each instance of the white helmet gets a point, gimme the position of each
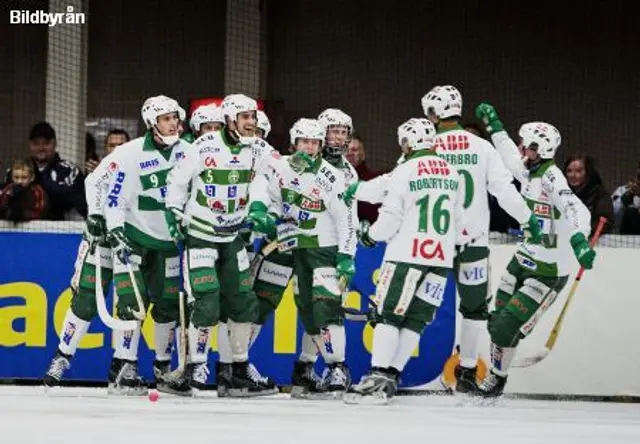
(205, 114)
(445, 101)
(157, 106)
(234, 104)
(546, 136)
(263, 123)
(333, 116)
(307, 129)
(419, 134)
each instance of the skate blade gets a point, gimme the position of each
(477, 400)
(245, 393)
(127, 391)
(223, 392)
(298, 392)
(165, 389)
(376, 398)
(303, 393)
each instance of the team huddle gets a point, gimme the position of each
(210, 232)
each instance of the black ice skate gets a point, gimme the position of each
(378, 387)
(265, 381)
(304, 381)
(224, 373)
(198, 374)
(161, 369)
(466, 380)
(336, 379)
(114, 369)
(174, 383)
(59, 364)
(180, 386)
(244, 385)
(492, 386)
(128, 382)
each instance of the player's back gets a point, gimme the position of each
(424, 192)
(471, 156)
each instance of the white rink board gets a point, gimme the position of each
(596, 352)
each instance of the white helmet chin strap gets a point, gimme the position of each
(167, 140)
(243, 140)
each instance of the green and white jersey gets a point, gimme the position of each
(482, 171)
(136, 173)
(313, 201)
(216, 180)
(348, 170)
(375, 190)
(561, 213)
(96, 184)
(422, 216)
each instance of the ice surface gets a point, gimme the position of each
(89, 416)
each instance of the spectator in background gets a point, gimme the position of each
(90, 153)
(115, 137)
(356, 157)
(626, 205)
(63, 182)
(23, 200)
(586, 183)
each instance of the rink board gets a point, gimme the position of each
(595, 355)
(34, 295)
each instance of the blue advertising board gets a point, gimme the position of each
(35, 270)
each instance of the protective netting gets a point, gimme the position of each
(571, 63)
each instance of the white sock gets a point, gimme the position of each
(127, 344)
(73, 329)
(199, 344)
(224, 345)
(239, 335)
(117, 339)
(164, 335)
(407, 343)
(334, 341)
(310, 347)
(255, 331)
(470, 332)
(501, 358)
(385, 344)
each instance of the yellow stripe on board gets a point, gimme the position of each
(285, 324)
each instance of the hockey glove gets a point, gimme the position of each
(487, 113)
(119, 244)
(300, 162)
(96, 228)
(345, 269)
(532, 231)
(373, 317)
(584, 253)
(350, 193)
(174, 218)
(363, 234)
(260, 220)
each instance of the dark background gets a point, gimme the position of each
(575, 64)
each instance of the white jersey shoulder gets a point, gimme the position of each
(482, 171)
(138, 189)
(421, 217)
